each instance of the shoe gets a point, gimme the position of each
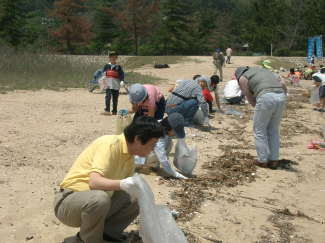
(114, 113)
(260, 164)
(109, 239)
(321, 110)
(273, 164)
(106, 113)
(73, 239)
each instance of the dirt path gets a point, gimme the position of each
(42, 133)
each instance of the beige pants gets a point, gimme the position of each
(95, 212)
(219, 69)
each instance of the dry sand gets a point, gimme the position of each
(42, 133)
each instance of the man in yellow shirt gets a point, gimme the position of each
(96, 194)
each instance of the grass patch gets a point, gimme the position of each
(276, 63)
(27, 71)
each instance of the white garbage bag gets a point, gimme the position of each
(199, 117)
(314, 95)
(157, 224)
(185, 158)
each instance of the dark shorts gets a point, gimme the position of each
(322, 91)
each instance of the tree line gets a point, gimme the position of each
(160, 27)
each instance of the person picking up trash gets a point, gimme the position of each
(97, 194)
(146, 100)
(319, 81)
(114, 76)
(186, 98)
(267, 94)
(174, 126)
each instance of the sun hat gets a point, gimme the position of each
(176, 122)
(137, 93)
(205, 79)
(266, 64)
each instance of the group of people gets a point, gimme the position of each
(97, 193)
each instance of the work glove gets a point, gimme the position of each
(206, 122)
(166, 167)
(122, 83)
(129, 186)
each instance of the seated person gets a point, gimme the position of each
(232, 92)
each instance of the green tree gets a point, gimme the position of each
(12, 21)
(176, 34)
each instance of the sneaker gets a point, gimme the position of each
(273, 164)
(109, 239)
(260, 164)
(73, 239)
(106, 113)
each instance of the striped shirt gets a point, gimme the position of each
(188, 89)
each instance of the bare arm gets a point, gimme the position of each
(134, 108)
(98, 182)
(243, 84)
(216, 96)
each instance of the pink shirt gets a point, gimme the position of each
(154, 95)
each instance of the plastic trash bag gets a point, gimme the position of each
(152, 159)
(314, 95)
(230, 111)
(123, 119)
(198, 117)
(157, 224)
(185, 158)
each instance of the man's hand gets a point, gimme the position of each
(129, 186)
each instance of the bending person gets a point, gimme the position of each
(264, 91)
(96, 194)
(147, 100)
(186, 98)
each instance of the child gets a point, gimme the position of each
(214, 87)
(114, 75)
(205, 90)
(293, 77)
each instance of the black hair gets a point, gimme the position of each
(322, 70)
(214, 79)
(145, 128)
(196, 76)
(166, 125)
(113, 53)
(292, 70)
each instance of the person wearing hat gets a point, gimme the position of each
(219, 61)
(267, 64)
(97, 194)
(174, 126)
(114, 77)
(267, 94)
(186, 98)
(319, 81)
(146, 100)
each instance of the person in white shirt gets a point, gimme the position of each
(319, 80)
(228, 53)
(232, 92)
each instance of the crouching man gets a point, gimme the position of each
(96, 194)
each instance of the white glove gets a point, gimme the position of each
(122, 83)
(206, 121)
(171, 172)
(129, 186)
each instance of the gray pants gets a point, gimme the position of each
(267, 117)
(219, 69)
(95, 212)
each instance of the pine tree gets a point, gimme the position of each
(12, 22)
(74, 29)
